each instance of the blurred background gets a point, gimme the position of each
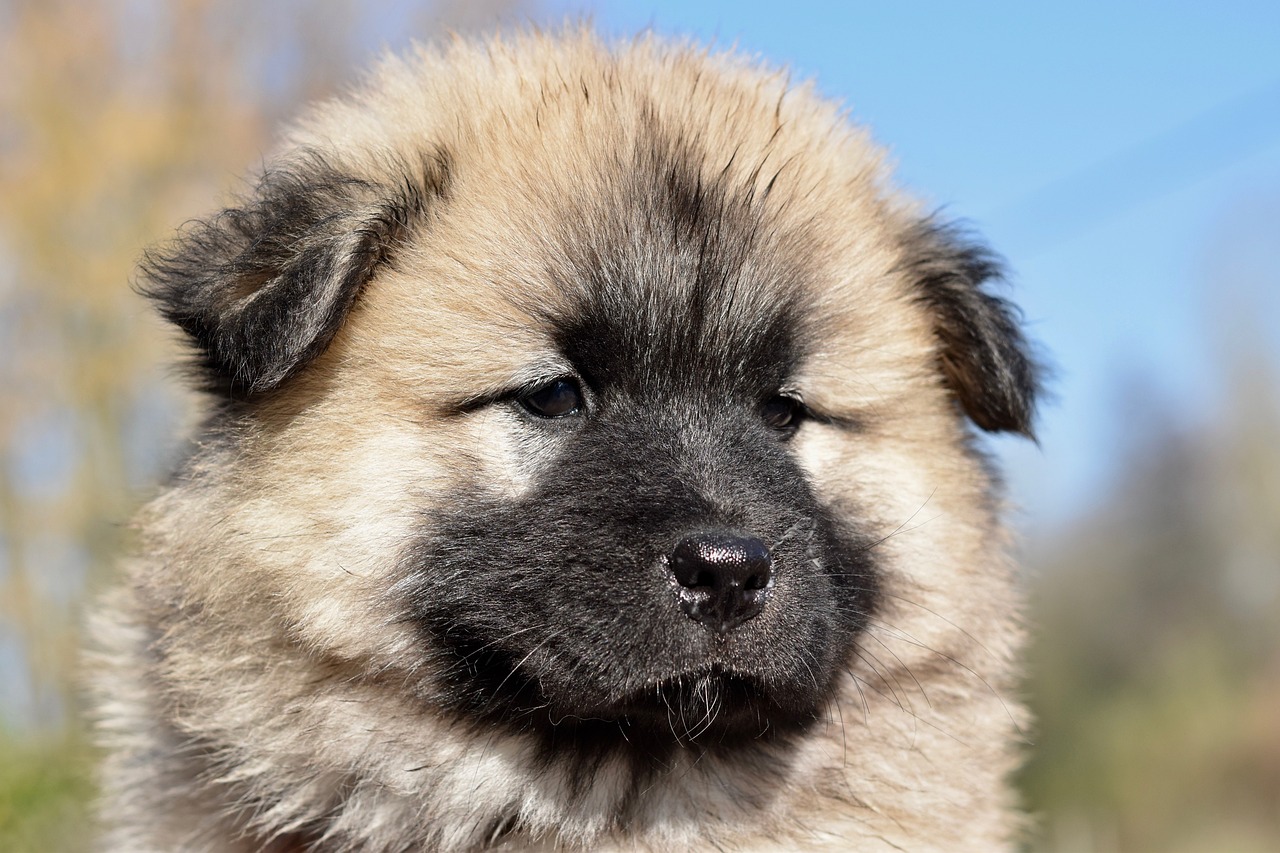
(1125, 158)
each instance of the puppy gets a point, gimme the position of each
(589, 465)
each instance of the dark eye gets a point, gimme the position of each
(782, 413)
(556, 399)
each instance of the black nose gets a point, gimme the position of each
(723, 578)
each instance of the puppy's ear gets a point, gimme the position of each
(261, 289)
(983, 355)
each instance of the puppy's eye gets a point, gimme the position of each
(782, 413)
(557, 399)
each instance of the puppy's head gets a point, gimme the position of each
(610, 376)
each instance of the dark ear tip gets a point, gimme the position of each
(261, 289)
(984, 357)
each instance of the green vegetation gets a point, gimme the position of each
(1156, 668)
(45, 793)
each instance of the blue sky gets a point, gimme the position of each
(1124, 158)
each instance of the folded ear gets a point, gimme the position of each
(261, 289)
(983, 354)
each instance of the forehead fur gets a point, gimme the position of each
(546, 97)
(589, 179)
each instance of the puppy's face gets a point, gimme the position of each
(622, 397)
(664, 568)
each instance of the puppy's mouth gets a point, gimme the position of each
(710, 704)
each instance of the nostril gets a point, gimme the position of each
(705, 579)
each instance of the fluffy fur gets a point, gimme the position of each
(397, 600)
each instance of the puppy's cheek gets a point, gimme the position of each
(347, 519)
(836, 464)
(813, 447)
(510, 452)
(882, 477)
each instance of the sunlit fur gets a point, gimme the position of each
(274, 671)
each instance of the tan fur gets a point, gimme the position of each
(262, 580)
